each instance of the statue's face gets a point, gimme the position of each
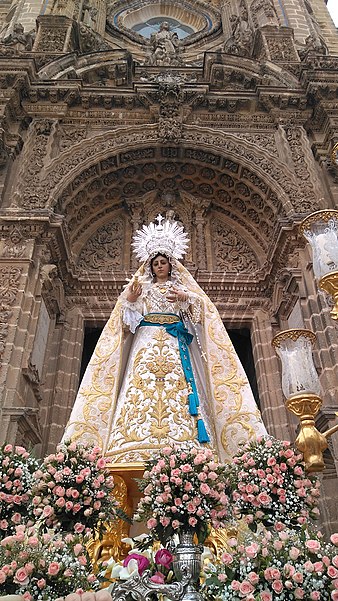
(160, 266)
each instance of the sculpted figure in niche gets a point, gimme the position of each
(164, 370)
(241, 39)
(89, 14)
(165, 47)
(18, 39)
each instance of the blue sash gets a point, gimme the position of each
(179, 331)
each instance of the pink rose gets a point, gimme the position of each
(245, 587)
(53, 568)
(294, 553)
(192, 521)
(277, 586)
(48, 511)
(332, 572)
(163, 558)
(21, 577)
(101, 463)
(252, 550)
(2, 577)
(334, 538)
(334, 595)
(158, 578)
(204, 488)
(313, 545)
(299, 593)
(253, 577)
(266, 596)
(79, 527)
(227, 558)
(175, 524)
(264, 498)
(41, 583)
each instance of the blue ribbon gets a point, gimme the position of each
(179, 331)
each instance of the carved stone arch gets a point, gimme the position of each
(88, 156)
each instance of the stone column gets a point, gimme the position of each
(19, 278)
(268, 375)
(62, 379)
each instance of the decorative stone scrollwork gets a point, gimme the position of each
(9, 286)
(170, 119)
(104, 250)
(230, 252)
(15, 244)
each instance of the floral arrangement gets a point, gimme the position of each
(42, 567)
(16, 476)
(184, 489)
(72, 490)
(276, 565)
(158, 563)
(269, 484)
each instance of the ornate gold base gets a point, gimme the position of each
(309, 440)
(329, 283)
(127, 494)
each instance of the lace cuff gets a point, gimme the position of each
(193, 307)
(131, 317)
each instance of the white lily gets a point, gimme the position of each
(124, 573)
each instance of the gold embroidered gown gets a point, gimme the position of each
(133, 398)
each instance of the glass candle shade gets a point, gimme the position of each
(321, 230)
(299, 375)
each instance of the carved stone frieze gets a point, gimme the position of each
(28, 192)
(230, 252)
(68, 136)
(281, 49)
(15, 243)
(9, 286)
(298, 144)
(104, 250)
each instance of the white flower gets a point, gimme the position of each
(122, 573)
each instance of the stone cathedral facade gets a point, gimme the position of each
(224, 112)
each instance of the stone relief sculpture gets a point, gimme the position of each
(18, 40)
(315, 41)
(9, 20)
(165, 47)
(241, 39)
(89, 14)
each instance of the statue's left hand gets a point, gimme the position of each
(176, 296)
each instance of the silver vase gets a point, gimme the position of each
(187, 559)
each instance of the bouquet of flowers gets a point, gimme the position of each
(269, 484)
(272, 565)
(73, 490)
(158, 563)
(16, 476)
(42, 567)
(184, 490)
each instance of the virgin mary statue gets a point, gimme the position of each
(164, 370)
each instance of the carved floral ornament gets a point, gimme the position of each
(43, 186)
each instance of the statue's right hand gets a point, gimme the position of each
(134, 291)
